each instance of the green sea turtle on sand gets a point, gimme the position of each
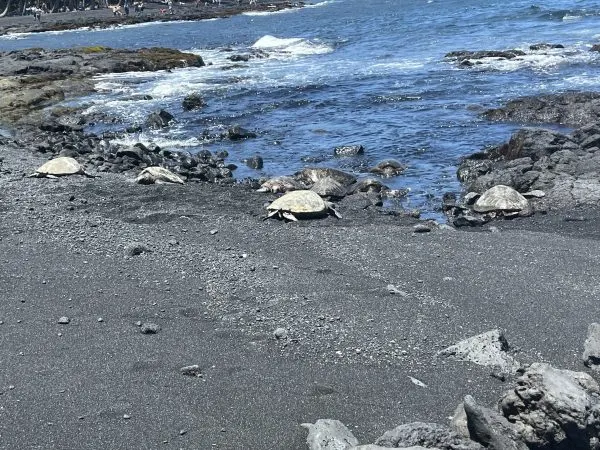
(60, 167)
(302, 204)
(157, 175)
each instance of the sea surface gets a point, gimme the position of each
(347, 72)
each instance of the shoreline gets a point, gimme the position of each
(153, 12)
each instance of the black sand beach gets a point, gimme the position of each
(288, 323)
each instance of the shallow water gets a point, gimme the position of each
(350, 72)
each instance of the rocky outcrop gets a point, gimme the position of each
(547, 409)
(33, 79)
(554, 409)
(571, 108)
(564, 167)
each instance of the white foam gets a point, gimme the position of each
(541, 60)
(166, 142)
(291, 46)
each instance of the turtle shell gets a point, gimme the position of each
(368, 185)
(61, 166)
(328, 187)
(300, 202)
(157, 174)
(388, 168)
(500, 198)
(310, 175)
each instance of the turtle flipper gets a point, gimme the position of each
(289, 216)
(335, 212)
(89, 175)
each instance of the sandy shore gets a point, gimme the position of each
(218, 280)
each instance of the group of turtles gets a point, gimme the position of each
(307, 194)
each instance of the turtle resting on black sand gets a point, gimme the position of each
(60, 167)
(281, 184)
(157, 175)
(500, 198)
(301, 204)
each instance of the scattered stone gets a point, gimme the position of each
(100, 319)
(329, 434)
(417, 382)
(487, 349)
(126, 416)
(191, 371)
(280, 333)
(591, 347)
(182, 432)
(136, 248)
(64, 320)
(149, 328)
(213, 231)
(394, 290)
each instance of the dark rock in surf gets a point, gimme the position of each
(349, 150)
(236, 133)
(545, 46)
(193, 101)
(254, 162)
(463, 55)
(159, 119)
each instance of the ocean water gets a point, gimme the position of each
(345, 72)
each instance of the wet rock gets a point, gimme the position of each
(461, 56)
(349, 150)
(329, 434)
(591, 347)
(554, 409)
(487, 349)
(237, 133)
(571, 109)
(545, 46)
(254, 162)
(193, 101)
(159, 119)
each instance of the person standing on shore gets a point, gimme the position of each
(170, 4)
(126, 7)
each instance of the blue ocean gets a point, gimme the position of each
(348, 72)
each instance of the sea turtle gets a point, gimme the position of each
(311, 175)
(368, 185)
(281, 184)
(500, 198)
(328, 187)
(60, 167)
(157, 175)
(302, 204)
(388, 168)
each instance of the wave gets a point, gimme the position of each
(291, 46)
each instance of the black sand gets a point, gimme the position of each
(219, 281)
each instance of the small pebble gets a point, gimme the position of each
(149, 328)
(191, 371)
(126, 416)
(280, 333)
(64, 320)
(182, 432)
(100, 319)
(215, 231)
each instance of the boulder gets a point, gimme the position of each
(428, 435)
(329, 434)
(486, 349)
(159, 119)
(349, 150)
(554, 409)
(236, 133)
